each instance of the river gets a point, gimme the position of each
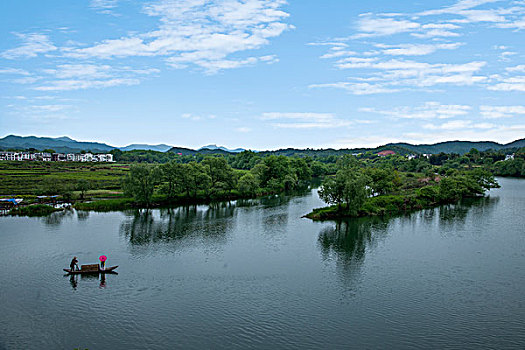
(255, 274)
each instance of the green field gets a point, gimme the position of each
(36, 178)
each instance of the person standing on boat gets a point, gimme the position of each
(74, 264)
(103, 259)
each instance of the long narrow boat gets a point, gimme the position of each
(83, 272)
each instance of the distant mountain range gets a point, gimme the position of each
(67, 145)
(215, 147)
(460, 147)
(60, 144)
(137, 146)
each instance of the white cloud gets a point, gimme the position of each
(84, 76)
(357, 88)
(415, 49)
(339, 44)
(335, 52)
(39, 112)
(65, 85)
(26, 80)
(495, 112)
(49, 108)
(432, 33)
(519, 69)
(458, 125)
(375, 73)
(103, 6)
(305, 120)
(505, 55)
(396, 75)
(13, 71)
(517, 24)
(458, 7)
(33, 44)
(67, 71)
(429, 110)
(199, 32)
(243, 129)
(370, 26)
(509, 84)
(194, 117)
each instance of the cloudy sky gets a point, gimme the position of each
(263, 74)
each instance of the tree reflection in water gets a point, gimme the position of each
(56, 218)
(452, 218)
(347, 242)
(82, 215)
(176, 224)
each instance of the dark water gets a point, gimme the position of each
(256, 275)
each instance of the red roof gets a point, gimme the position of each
(385, 153)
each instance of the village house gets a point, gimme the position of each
(509, 157)
(386, 153)
(55, 157)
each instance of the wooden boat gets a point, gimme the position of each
(91, 270)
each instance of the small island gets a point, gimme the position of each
(355, 191)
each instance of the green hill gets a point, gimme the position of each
(60, 144)
(67, 145)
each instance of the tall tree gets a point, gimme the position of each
(349, 186)
(248, 184)
(196, 178)
(173, 174)
(222, 176)
(140, 182)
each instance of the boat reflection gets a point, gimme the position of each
(74, 279)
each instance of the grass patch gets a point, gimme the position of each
(106, 205)
(31, 178)
(33, 210)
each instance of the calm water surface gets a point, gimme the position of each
(254, 274)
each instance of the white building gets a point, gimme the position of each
(105, 157)
(12, 156)
(58, 157)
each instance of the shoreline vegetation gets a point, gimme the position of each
(390, 205)
(357, 192)
(34, 210)
(353, 185)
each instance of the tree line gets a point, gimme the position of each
(215, 178)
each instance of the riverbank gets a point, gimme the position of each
(34, 210)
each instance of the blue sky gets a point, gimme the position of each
(263, 74)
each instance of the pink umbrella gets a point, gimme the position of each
(103, 258)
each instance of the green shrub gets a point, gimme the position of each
(33, 210)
